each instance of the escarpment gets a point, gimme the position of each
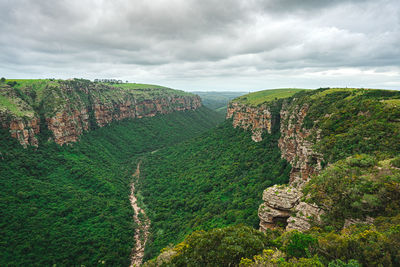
(69, 108)
(317, 128)
(281, 202)
(257, 119)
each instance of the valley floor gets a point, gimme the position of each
(143, 224)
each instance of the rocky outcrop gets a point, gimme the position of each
(24, 130)
(304, 213)
(257, 119)
(68, 126)
(279, 200)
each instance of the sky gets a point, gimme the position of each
(207, 45)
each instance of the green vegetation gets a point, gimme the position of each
(355, 246)
(211, 181)
(221, 246)
(69, 205)
(353, 121)
(261, 97)
(149, 89)
(356, 188)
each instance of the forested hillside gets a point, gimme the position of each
(69, 205)
(341, 206)
(211, 181)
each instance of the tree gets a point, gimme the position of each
(2, 79)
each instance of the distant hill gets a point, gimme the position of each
(217, 101)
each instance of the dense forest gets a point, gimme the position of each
(214, 180)
(70, 204)
(356, 132)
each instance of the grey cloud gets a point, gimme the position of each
(200, 41)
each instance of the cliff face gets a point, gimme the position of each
(257, 119)
(280, 202)
(69, 108)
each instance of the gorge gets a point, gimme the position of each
(281, 162)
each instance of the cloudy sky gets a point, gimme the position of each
(243, 45)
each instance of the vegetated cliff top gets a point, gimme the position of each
(21, 97)
(260, 97)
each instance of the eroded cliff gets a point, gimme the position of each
(281, 202)
(69, 108)
(317, 128)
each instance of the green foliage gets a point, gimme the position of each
(352, 121)
(339, 263)
(220, 247)
(370, 245)
(298, 245)
(149, 89)
(277, 258)
(260, 97)
(70, 205)
(211, 181)
(356, 188)
(396, 162)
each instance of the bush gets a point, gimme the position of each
(221, 247)
(299, 245)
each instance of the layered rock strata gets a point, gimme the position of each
(69, 108)
(295, 145)
(282, 205)
(24, 130)
(256, 119)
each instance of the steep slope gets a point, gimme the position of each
(317, 128)
(69, 205)
(69, 108)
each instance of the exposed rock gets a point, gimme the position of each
(295, 146)
(282, 197)
(305, 213)
(279, 201)
(24, 130)
(68, 126)
(257, 119)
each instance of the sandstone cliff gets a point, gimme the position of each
(281, 202)
(69, 108)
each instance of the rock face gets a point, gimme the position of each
(257, 119)
(282, 205)
(278, 202)
(24, 130)
(69, 108)
(294, 144)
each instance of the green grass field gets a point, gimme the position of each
(260, 97)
